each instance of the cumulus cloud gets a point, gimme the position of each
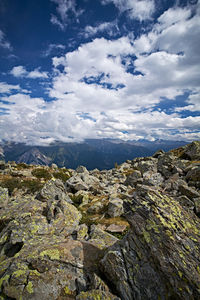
(66, 10)
(111, 28)
(3, 42)
(114, 88)
(136, 9)
(20, 71)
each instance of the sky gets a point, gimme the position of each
(77, 69)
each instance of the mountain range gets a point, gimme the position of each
(92, 153)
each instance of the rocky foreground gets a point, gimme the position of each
(132, 232)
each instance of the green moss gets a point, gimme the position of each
(51, 253)
(29, 287)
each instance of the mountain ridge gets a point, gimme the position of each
(93, 153)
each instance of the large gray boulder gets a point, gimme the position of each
(159, 257)
(53, 189)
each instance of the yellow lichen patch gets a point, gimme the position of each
(5, 278)
(93, 294)
(19, 273)
(146, 236)
(34, 228)
(67, 291)
(53, 254)
(180, 274)
(34, 273)
(151, 224)
(198, 269)
(29, 287)
(3, 239)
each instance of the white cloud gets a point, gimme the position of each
(110, 28)
(53, 48)
(136, 9)
(65, 10)
(8, 88)
(3, 42)
(96, 95)
(37, 74)
(20, 71)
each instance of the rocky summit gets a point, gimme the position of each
(132, 232)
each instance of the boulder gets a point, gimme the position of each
(116, 228)
(54, 166)
(159, 257)
(75, 184)
(158, 153)
(96, 207)
(115, 207)
(101, 239)
(146, 164)
(151, 178)
(186, 202)
(197, 206)
(133, 178)
(193, 174)
(188, 191)
(192, 151)
(82, 169)
(51, 269)
(2, 165)
(63, 217)
(53, 189)
(3, 196)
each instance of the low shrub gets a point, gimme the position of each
(21, 166)
(41, 173)
(11, 184)
(30, 185)
(62, 175)
(77, 199)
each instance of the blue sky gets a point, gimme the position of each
(77, 69)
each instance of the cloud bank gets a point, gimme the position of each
(116, 88)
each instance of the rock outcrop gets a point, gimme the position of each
(132, 232)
